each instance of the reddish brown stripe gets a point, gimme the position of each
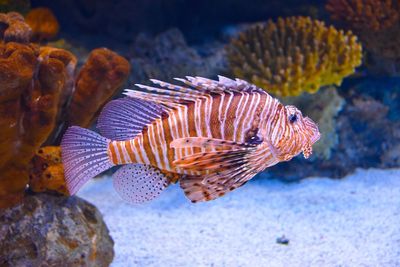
(130, 151)
(215, 124)
(230, 116)
(192, 125)
(112, 153)
(168, 140)
(203, 127)
(147, 148)
(137, 148)
(246, 108)
(157, 136)
(120, 151)
(191, 122)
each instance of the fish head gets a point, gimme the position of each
(296, 134)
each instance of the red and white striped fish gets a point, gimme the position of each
(211, 136)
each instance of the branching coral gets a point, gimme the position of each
(294, 55)
(43, 23)
(35, 94)
(377, 23)
(365, 14)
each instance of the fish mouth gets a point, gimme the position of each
(315, 135)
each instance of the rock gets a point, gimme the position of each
(47, 230)
(167, 56)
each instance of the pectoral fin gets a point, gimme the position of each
(204, 142)
(212, 161)
(214, 185)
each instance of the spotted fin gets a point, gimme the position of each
(138, 183)
(124, 118)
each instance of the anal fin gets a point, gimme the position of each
(138, 183)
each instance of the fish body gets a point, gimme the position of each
(212, 136)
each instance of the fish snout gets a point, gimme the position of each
(313, 128)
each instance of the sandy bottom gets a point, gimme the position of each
(349, 222)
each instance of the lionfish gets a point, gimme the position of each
(211, 136)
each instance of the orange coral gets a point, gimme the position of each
(294, 55)
(97, 81)
(30, 95)
(365, 14)
(13, 28)
(47, 172)
(35, 93)
(377, 23)
(43, 23)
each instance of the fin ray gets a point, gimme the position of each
(138, 183)
(84, 155)
(196, 88)
(124, 118)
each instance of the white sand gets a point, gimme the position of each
(349, 222)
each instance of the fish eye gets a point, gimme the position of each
(255, 140)
(292, 118)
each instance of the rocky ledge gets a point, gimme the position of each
(48, 230)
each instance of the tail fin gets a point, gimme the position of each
(84, 155)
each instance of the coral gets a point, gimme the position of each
(377, 23)
(100, 77)
(323, 107)
(47, 172)
(30, 97)
(43, 23)
(294, 55)
(13, 28)
(36, 95)
(369, 15)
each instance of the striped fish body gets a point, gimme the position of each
(212, 136)
(228, 116)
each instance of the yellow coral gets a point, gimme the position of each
(294, 55)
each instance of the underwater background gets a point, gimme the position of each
(336, 60)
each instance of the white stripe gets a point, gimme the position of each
(153, 145)
(239, 113)
(135, 153)
(163, 142)
(143, 151)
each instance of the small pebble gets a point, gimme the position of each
(282, 240)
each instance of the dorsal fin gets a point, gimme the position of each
(124, 118)
(194, 88)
